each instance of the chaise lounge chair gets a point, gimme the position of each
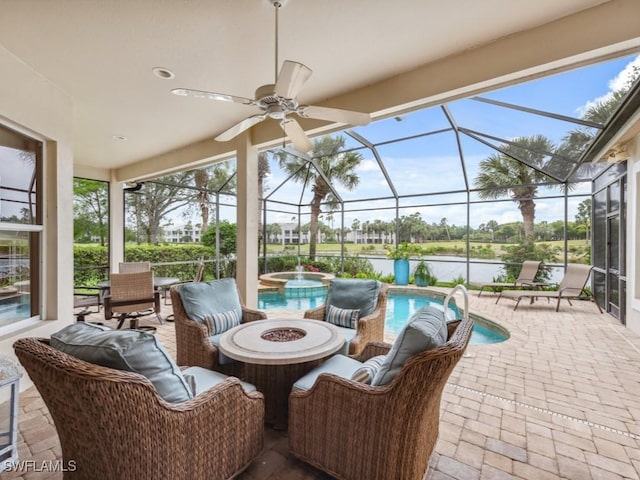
(571, 286)
(526, 277)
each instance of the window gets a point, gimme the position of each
(20, 226)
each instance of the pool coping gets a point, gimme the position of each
(278, 280)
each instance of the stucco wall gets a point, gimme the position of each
(633, 236)
(33, 105)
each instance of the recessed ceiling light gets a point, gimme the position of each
(163, 73)
(119, 137)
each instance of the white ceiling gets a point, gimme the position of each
(102, 54)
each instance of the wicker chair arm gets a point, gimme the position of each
(316, 313)
(370, 329)
(372, 349)
(250, 314)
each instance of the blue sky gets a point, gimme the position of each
(431, 164)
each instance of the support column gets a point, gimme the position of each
(247, 221)
(116, 224)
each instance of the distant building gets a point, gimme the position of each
(185, 234)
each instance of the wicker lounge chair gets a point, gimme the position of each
(526, 277)
(355, 431)
(113, 424)
(193, 339)
(571, 286)
(370, 328)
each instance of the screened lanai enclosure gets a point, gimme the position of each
(466, 180)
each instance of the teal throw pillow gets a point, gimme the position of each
(367, 372)
(128, 350)
(221, 322)
(426, 329)
(342, 317)
(352, 293)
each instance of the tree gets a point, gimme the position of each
(355, 226)
(583, 217)
(339, 168)
(201, 180)
(492, 226)
(501, 175)
(228, 237)
(273, 231)
(90, 210)
(575, 142)
(148, 206)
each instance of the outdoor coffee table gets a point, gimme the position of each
(276, 352)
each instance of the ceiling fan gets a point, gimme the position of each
(278, 101)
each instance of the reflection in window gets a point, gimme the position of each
(20, 227)
(15, 277)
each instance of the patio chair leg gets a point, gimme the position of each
(517, 303)
(558, 305)
(597, 304)
(121, 319)
(499, 297)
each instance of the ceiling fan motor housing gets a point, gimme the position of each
(274, 106)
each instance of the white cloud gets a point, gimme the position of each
(618, 82)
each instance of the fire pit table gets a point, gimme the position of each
(277, 352)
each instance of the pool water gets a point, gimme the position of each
(400, 308)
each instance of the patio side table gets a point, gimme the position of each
(10, 378)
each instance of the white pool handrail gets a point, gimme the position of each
(465, 294)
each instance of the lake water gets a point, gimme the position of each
(446, 268)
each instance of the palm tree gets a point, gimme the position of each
(338, 169)
(501, 175)
(574, 143)
(201, 179)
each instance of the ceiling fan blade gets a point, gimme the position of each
(297, 136)
(334, 115)
(291, 78)
(188, 92)
(240, 127)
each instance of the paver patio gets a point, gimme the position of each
(559, 400)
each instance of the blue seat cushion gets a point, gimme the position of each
(426, 329)
(128, 350)
(222, 358)
(204, 379)
(348, 333)
(340, 365)
(202, 300)
(354, 293)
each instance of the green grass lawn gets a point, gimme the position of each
(378, 249)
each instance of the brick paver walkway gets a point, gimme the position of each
(559, 400)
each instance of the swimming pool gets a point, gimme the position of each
(400, 307)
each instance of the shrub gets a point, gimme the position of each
(516, 254)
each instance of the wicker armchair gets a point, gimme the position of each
(113, 424)
(355, 431)
(370, 328)
(193, 345)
